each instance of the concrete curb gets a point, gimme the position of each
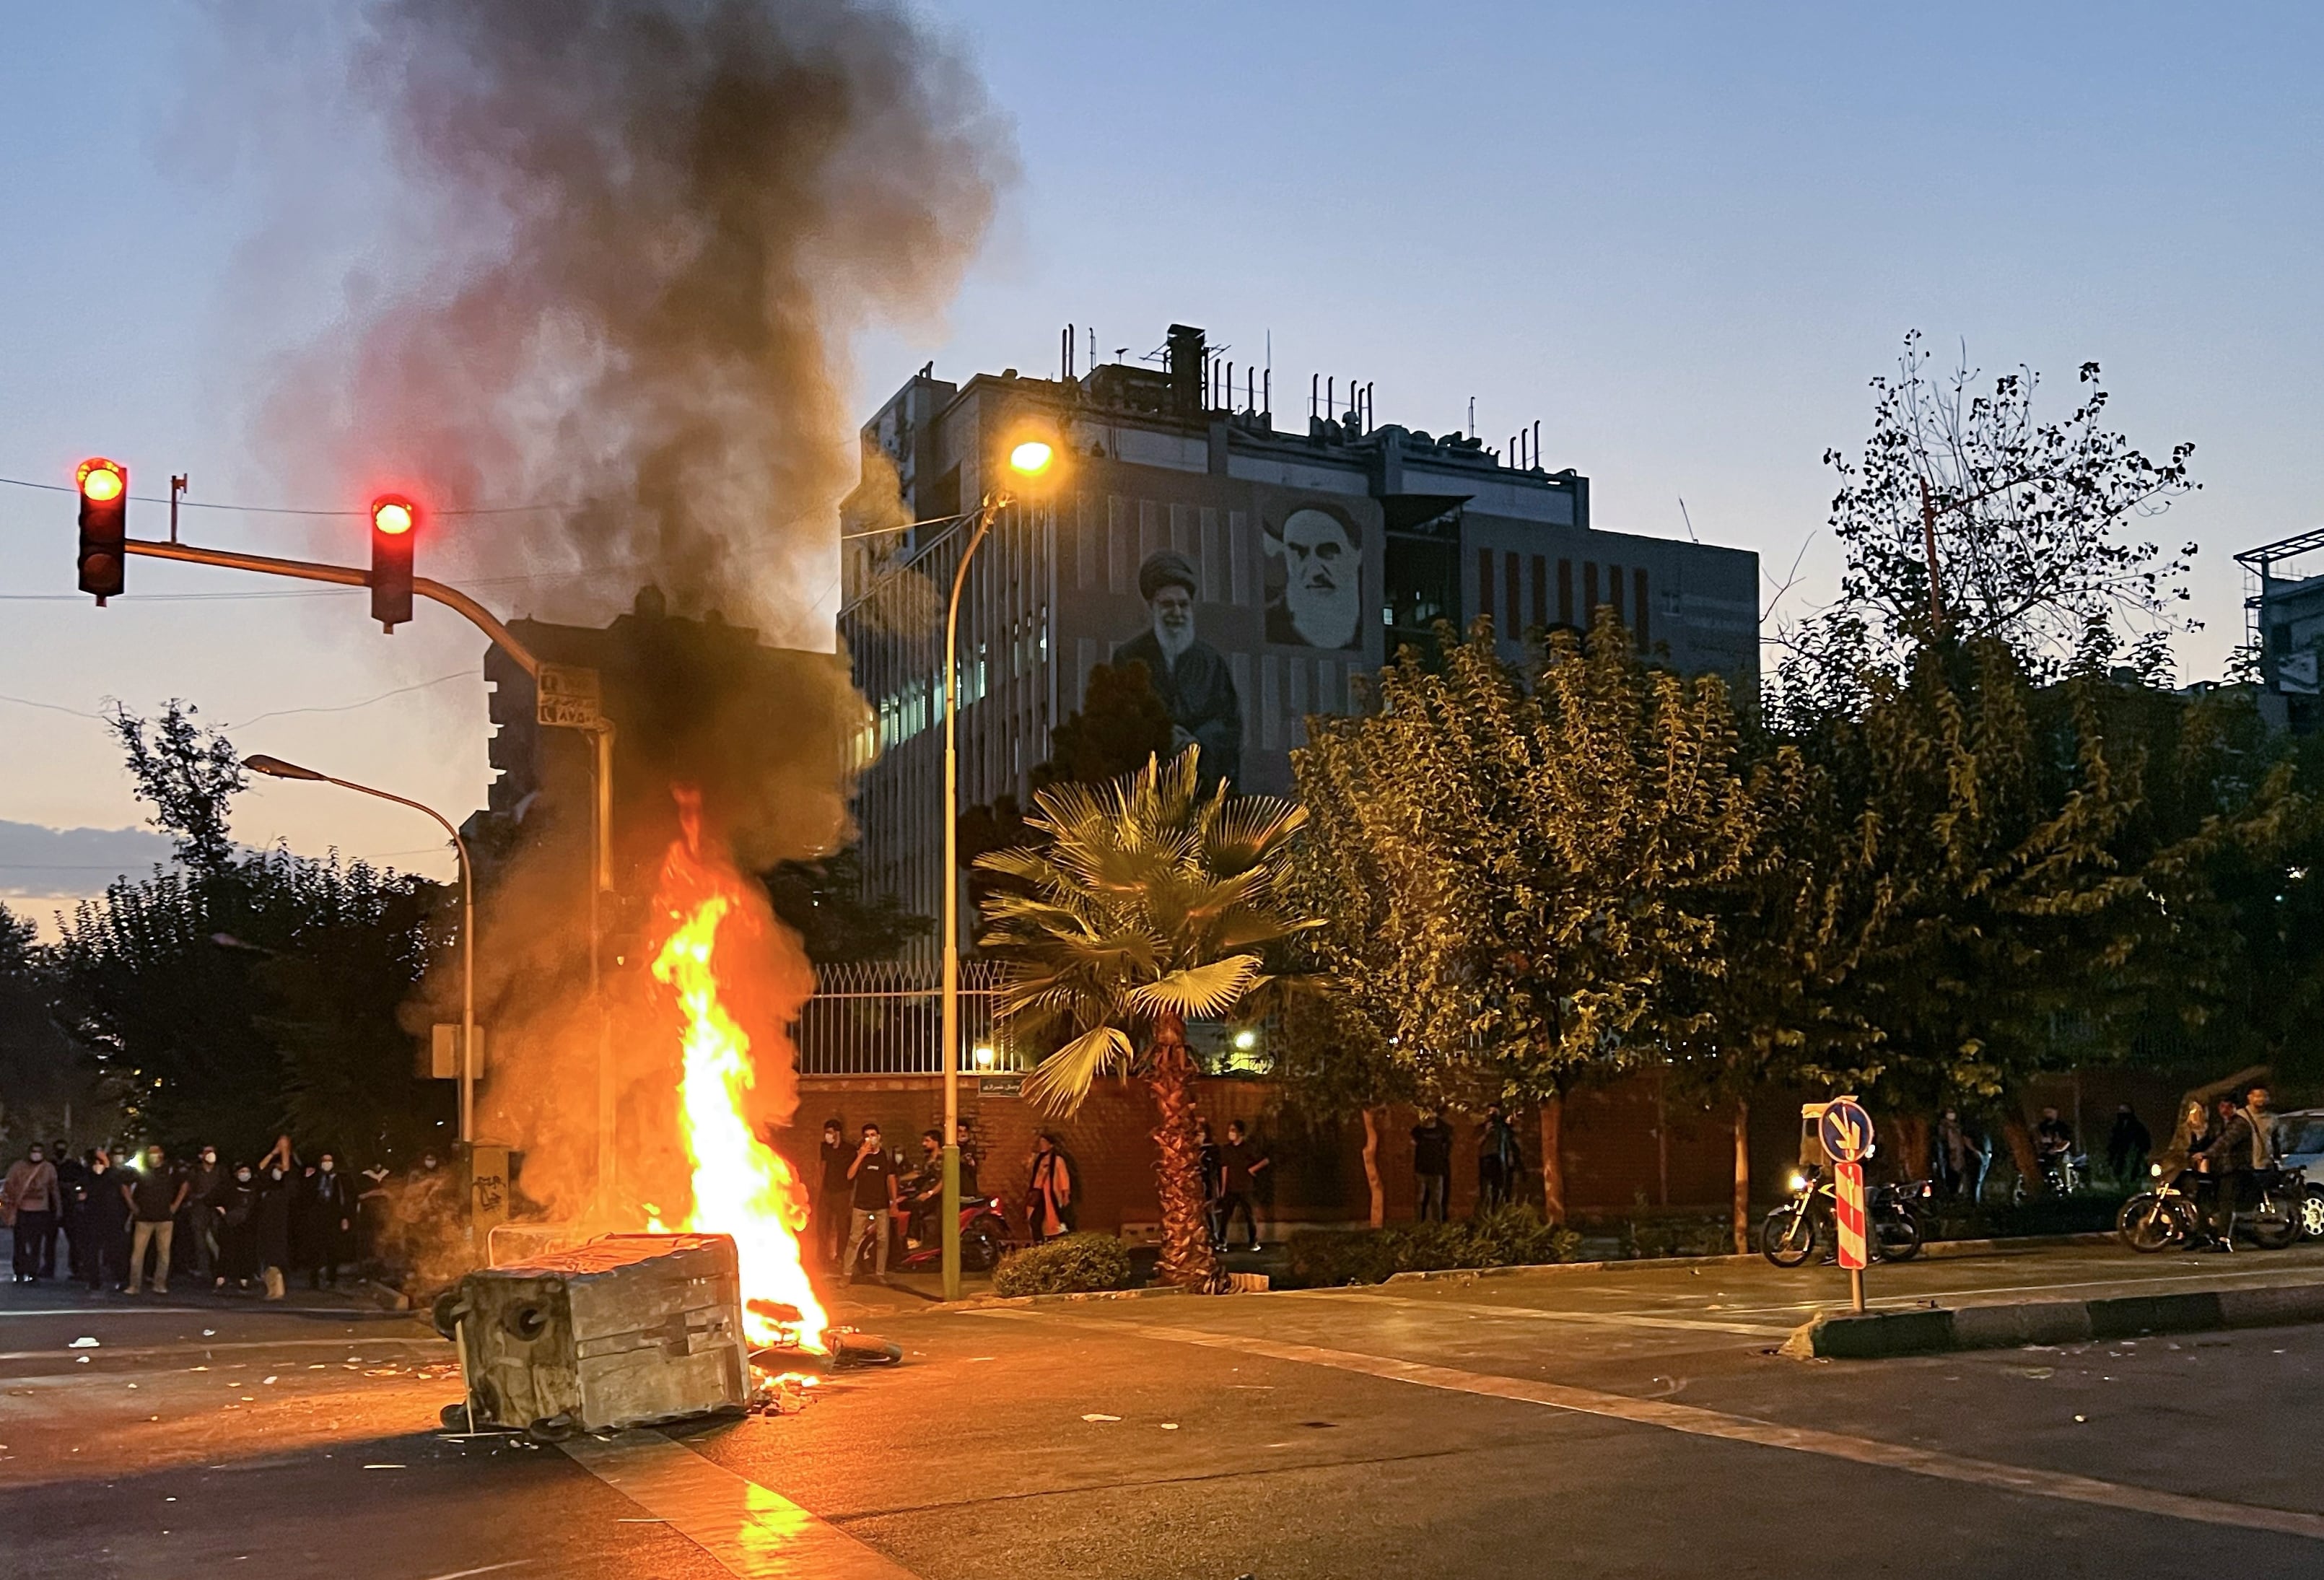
(1872, 1335)
(1934, 1251)
(1007, 1302)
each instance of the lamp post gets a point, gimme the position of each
(275, 768)
(1028, 458)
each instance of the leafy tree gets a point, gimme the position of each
(1534, 862)
(1146, 903)
(1967, 515)
(189, 775)
(824, 904)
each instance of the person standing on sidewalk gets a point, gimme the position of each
(73, 1187)
(1431, 1165)
(1244, 1162)
(1053, 1192)
(205, 1181)
(154, 1193)
(29, 1199)
(872, 1177)
(277, 1187)
(834, 1195)
(326, 1210)
(100, 1226)
(1500, 1163)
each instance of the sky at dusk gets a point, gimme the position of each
(1681, 238)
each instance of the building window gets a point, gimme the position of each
(1238, 557)
(1565, 592)
(1540, 592)
(1117, 543)
(1084, 544)
(1589, 592)
(1271, 701)
(1210, 571)
(1638, 582)
(1485, 583)
(1516, 606)
(1614, 589)
(1298, 702)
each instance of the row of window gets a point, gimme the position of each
(1632, 611)
(1220, 551)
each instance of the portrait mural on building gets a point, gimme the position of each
(1191, 676)
(1314, 579)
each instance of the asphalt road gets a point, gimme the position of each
(1625, 1423)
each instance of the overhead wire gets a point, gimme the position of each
(287, 510)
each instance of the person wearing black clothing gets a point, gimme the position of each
(872, 1181)
(100, 1226)
(277, 1187)
(325, 1229)
(833, 1193)
(924, 1193)
(971, 1155)
(72, 1179)
(2127, 1144)
(1214, 1181)
(237, 1205)
(1243, 1163)
(1499, 1164)
(197, 1224)
(2244, 1142)
(1431, 1165)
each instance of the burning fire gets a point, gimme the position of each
(742, 1187)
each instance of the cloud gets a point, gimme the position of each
(50, 862)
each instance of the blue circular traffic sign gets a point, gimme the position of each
(1846, 1131)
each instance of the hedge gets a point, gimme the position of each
(1071, 1265)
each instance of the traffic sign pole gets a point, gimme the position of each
(1846, 1131)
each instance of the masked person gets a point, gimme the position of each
(872, 1177)
(205, 1181)
(834, 1194)
(278, 1185)
(153, 1196)
(100, 1230)
(326, 1227)
(72, 1183)
(238, 1229)
(1053, 1192)
(30, 1200)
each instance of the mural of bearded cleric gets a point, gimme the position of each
(1186, 672)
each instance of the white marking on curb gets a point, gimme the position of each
(1694, 1421)
(754, 1531)
(1536, 1314)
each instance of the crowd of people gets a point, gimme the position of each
(117, 1222)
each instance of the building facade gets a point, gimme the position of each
(2285, 605)
(1259, 575)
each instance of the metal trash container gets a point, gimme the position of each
(624, 1330)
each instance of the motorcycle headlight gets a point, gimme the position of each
(2155, 1170)
(1799, 1182)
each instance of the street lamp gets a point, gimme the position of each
(1032, 460)
(275, 768)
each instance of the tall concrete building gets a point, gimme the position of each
(2284, 611)
(1259, 573)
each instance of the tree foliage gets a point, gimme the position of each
(2021, 522)
(826, 903)
(189, 775)
(1146, 903)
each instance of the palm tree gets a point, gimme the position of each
(1147, 903)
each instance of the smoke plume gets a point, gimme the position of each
(642, 235)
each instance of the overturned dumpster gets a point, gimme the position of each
(621, 1331)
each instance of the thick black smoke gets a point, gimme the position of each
(645, 233)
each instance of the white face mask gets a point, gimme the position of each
(242, 1175)
(209, 1157)
(36, 1155)
(326, 1165)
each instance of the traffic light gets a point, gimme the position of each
(104, 526)
(394, 525)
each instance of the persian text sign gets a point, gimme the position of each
(567, 695)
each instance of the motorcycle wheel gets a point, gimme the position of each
(2146, 1223)
(2273, 1224)
(1900, 1236)
(2311, 1214)
(1787, 1238)
(980, 1246)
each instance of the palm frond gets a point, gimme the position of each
(1059, 1083)
(1199, 991)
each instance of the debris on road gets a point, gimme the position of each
(1093, 1416)
(82, 1342)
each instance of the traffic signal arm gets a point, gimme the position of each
(453, 599)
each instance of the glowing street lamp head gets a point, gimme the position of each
(1031, 458)
(101, 481)
(392, 515)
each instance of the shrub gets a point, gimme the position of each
(1510, 1236)
(1072, 1265)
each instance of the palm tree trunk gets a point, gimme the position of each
(1742, 1177)
(1371, 1167)
(1553, 1159)
(1187, 1260)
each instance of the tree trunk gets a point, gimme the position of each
(1742, 1177)
(1187, 1260)
(1909, 1159)
(1371, 1167)
(2021, 1152)
(1553, 1159)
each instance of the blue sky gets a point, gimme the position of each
(1682, 237)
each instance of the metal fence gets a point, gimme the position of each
(886, 1017)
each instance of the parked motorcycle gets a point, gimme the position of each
(1892, 1222)
(2062, 1174)
(983, 1235)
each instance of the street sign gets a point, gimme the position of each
(1001, 1085)
(1847, 1212)
(568, 695)
(1846, 1131)
(444, 1052)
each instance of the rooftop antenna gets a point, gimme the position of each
(1472, 414)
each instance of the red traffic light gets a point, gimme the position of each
(102, 481)
(393, 539)
(393, 514)
(104, 526)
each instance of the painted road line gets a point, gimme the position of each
(205, 1347)
(754, 1531)
(1535, 1313)
(1696, 1422)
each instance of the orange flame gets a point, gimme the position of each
(742, 1187)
